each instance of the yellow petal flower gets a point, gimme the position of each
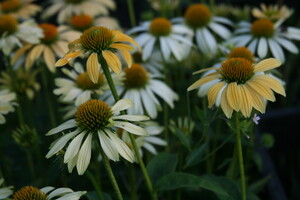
(93, 66)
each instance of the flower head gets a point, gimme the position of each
(240, 85)
(21, 9)
(12, 33)
(94, 119)
(7, 103)
(102, 44)
(46, 193)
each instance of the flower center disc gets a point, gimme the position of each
(50, 33)
(74, 1)
(8, 24)
(262, 28)
(160, 27)
(97, 39)
(81, 22)
(8, 6)
(237, 70)
(197, 16)
(29, 193)
(241, 52)
(93, 115)
(135, 76)
(83, 81)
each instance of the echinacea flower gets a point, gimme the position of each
(12, 34)
(7, 103)
(171, 39)
(67, 8)
(82, 22)
(79, 88)
(238, 85)
(5, 192)
(102, 45)
(146, 142)
(200, 19)
(52, 45)
(143, 89)
(95, 120)
(46, 193)
(263, 36)
(24, 82)
(275, 13)
(20, 9)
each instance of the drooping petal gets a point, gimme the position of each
(73, 147)
(234, 96)
(202, 81)
(261, 89)
(93, 66)
(273, 83)
(64, 126)
(213, 93)
(131, 117)
(122, 104)
(84, 155)
(108, 146)
(131, 128)
(267, 64)
(246, 101)
(224, 104)
(112, 61)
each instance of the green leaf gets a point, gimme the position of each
(161, 165)
(195, 156)
(185, 141)
(223, 188)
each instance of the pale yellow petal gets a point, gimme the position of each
(19, 53)
(61, 62)
(74, 45)
(266, 65)
(121, 46)
(261, 89)
(112, 61)
(49, 59)
(213, 92)
(224, 104)
(128, 58)
(93, 67)
(273, 83)
(36, 52)
(233, 96)
(74, 54)
(204, 70)
(202, 81)
(246, 101)
(258, 101)
(121, 37)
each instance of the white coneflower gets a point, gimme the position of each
(171, 39)
(5, 192)
(12, 34)
(95, 120)
(21, 9)
(143, 89)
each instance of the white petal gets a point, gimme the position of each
(131, 117)
(222, 31)
(122, 104)
(59, 192)
(149, 104)
(108, 146)
(66, 125)
(262, 48)
(252, 45)
(131, 128)
(276, 50)
(84, 155)
(155, 140)
(164, 48)
(147, 49)
(288, 45)
(73, 147)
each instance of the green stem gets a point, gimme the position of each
(95, 184)
(131, 13)
(133, 191)
(111, 175)
(134, 145)
(240, 156)
(30, 164)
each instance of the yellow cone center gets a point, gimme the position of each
(136, 76)
(97, 39)
(50, 33)
(8, 6)
(82, 22)
(241, 52)
(83, 81)
(8, 25)
(238, 70)
(160, 27)
(93, 115)
(29, 193)
(197, 16)
(262, 28)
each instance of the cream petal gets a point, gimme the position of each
(112, 61)
(49, 59)
(131, 128)
(36, 52)
(213, 93)
(123, 47)
(267, 64)
(19, 53)
(131, 117)
(273, 83)
(108, 146)
(84, 156)
(246, 101)
(233, 95)
(73, 147)
(225, 106)
(261, 89)
(128, 58)
(64, 126)
(93, 67)
(258, 101)
(122, 104)
(203, 80)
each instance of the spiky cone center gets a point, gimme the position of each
(262, 28)
(50, 33)
(8, 6)
(83, 81)
(97, 39)
(137, 57)
(238, 70)
(136, 76)
(241, 52)
(93, 115)
(197, 16)
(160, 27)
(82, 22)
(74, 1)
(8, 25)
(29, 193)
